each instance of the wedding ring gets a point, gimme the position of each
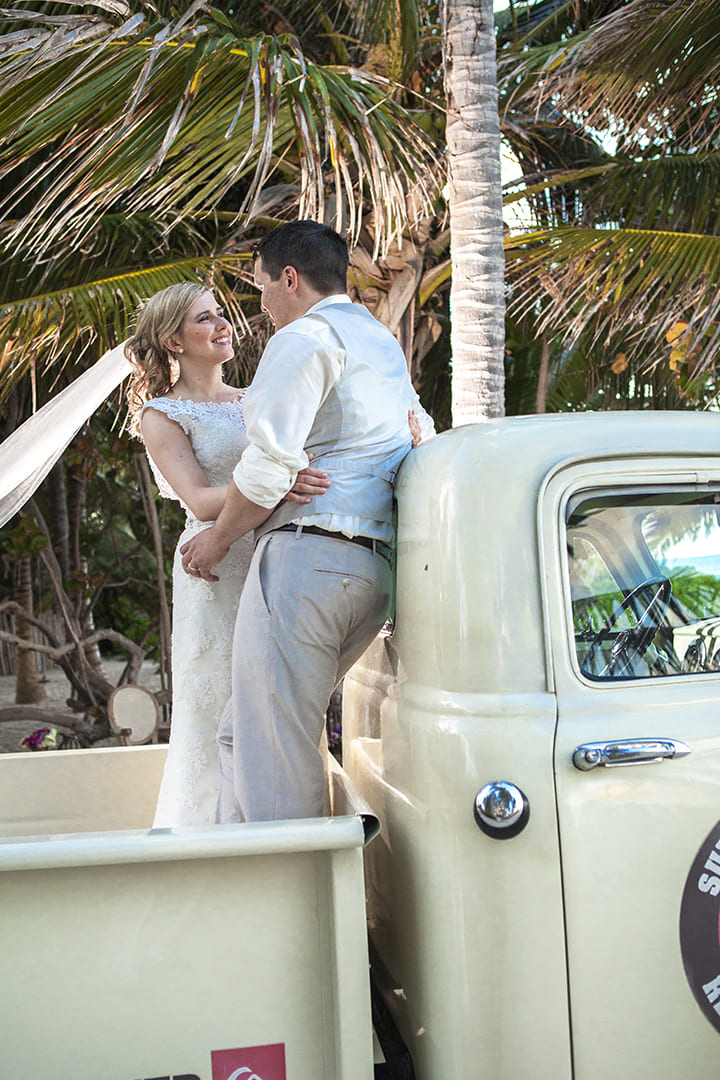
(191, 567)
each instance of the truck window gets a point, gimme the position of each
(644, 579)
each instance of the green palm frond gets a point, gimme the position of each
(523, 68)
(48, 329)
(677, 192)
(175, 117)
(521, 26)
(633, 283)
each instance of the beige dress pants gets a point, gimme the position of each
(310, 607)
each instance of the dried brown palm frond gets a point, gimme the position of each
(604, 283)
(650, 70)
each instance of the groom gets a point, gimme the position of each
(332, 382)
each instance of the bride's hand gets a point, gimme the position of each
(309, 483)
(203, 552)
(415, 429)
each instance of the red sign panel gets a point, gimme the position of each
(249, 1063)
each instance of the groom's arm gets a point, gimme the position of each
(294, 376)
(238, 516)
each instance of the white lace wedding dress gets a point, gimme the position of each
(203, 622)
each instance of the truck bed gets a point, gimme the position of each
(131, 953)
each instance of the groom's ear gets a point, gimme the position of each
(290, 278)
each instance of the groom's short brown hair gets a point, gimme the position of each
(316, 251)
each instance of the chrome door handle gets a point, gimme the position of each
(627, 752)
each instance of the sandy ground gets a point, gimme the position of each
(18, 721)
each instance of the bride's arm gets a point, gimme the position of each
(171, 450)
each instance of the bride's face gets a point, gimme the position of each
(204, 333)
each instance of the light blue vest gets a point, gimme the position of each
(361, 453)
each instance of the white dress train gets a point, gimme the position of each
(203, 622)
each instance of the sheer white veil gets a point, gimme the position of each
(28, 455)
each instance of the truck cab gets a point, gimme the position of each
(539, 736)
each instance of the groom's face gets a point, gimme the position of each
(277, 297)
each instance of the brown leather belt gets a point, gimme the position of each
(379, 547)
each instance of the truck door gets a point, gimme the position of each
(633, 616)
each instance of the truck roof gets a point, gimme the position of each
(543, 441)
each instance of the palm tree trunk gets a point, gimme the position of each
(57, 493)
(28, 690)
(165, 626)
(76, 488)
(543, 377)
(477, 304)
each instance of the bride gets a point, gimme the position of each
(192, 425)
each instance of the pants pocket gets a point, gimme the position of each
(342, 576)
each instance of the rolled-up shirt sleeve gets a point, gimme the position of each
(297, 372)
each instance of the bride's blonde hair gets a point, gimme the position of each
(155, 369)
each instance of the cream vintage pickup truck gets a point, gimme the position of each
(539, 740)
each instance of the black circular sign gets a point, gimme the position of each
(700, 927)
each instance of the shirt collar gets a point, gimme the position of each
(336, 298)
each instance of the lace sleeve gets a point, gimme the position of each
(171, 408)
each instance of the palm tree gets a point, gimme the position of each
(624, 264)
